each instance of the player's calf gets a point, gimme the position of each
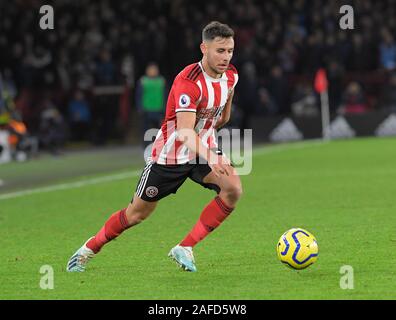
(120, 221)
(211, 218)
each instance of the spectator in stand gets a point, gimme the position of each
(52, 133)
(150, 98)
(105, 70)
(79, 116)
(267, 105)
(278, 88)
(22, 145)
(353, 100)
(388, 50)
(359, 58)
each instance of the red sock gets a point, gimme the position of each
(212, 216)
(113, 227)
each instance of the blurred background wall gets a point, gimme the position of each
(80, 79)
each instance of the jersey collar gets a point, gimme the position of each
(223, 76)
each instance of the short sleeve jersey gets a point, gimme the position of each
(193, 90)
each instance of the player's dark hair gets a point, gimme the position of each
(216, 29)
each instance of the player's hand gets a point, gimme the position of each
(219, 165)
(219, 124)
(225, 160)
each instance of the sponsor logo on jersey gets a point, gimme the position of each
(209, 113)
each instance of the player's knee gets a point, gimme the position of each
(237, 192)
(233, 192)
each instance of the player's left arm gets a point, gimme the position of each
(226, 114)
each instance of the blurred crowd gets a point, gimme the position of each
(280, 44)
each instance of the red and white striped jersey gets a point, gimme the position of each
(193, 90)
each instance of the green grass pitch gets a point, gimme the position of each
(344, 192)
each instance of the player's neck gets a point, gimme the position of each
(208, 70)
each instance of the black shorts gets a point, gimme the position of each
(158, 181)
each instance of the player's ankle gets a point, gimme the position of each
(93, 245)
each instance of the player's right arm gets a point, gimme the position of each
(186, 94)
(188, 136)
(226, 114)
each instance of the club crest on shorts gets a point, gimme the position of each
(151, 192)
(184, 101)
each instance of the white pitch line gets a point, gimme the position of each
(121, 176)
(71, 185)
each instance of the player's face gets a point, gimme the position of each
(218, 53)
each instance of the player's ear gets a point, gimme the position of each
(203, 47)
